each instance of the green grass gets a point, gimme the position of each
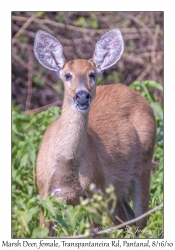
(27, 132)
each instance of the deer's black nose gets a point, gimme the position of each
(82, 98)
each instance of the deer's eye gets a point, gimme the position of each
(68, 76)
(92, 76)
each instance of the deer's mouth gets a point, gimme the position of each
(84, 107)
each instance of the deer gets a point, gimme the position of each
(105, 135)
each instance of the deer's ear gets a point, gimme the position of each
(108, 49)
(49, 51)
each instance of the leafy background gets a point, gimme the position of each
(37, 96)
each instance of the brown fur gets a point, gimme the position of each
(112, 143)
(115, 146)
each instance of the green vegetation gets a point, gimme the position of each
(27, 132)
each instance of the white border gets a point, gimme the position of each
(5, 93)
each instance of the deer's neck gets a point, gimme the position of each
(72, 132)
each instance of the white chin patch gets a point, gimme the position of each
(83, 109)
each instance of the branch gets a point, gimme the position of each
(25, 25)
(108, 230)
(134, 19)
(81, 29)
(60, 25)
(36, 72)
(37, 110)
(30, 82)
(148, 68)
(133, 58)
(155, 44)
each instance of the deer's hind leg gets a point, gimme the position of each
(140, 194)
(123, 212)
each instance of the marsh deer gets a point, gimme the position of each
(105, 135)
